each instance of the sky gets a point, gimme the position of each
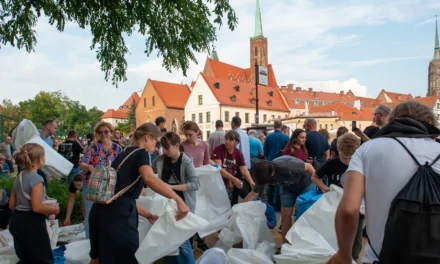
(365, 46)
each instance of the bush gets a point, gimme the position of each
(57, 189)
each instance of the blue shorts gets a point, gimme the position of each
(288, 198)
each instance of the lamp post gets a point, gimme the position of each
(257, 112)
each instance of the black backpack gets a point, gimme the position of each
(412, 231)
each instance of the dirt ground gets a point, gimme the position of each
(212, 239)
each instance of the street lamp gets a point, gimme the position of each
(257, 114)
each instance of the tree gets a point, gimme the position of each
(10, 109)
(45, 106)
(131, 115)
(176, 29)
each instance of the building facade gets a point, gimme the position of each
(434, 68)
(120, 115)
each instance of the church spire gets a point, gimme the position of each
(437, 45)
(258, 24)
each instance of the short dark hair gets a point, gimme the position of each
(71, 133)
(262, 170)
(90, 136)
(218, 123)
(232, 135)
(236, 121)
(117, 129)
(48, 122)
(284, 127)
(159, 120)
(277, 124)
(77, 177)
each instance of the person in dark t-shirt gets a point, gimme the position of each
(70, 149)
(74, 186)
(316, 144)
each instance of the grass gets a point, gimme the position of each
(57, 189)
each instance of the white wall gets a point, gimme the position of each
(114, 121)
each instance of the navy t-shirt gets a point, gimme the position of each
(316, 145)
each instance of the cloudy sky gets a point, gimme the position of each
(338, 45)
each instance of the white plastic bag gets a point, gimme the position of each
(167, 234)
(313, 236)
(267, 248)
(78, 252)
(8, 259)
(52, 230)
(155, 204)
(247, 256)
(217, 223)
(25, 131)
(6, 243)
(73, 233)
(213, 256)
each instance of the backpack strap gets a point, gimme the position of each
(20, 179)
(436, 159)
(131, 153)
(409, 152)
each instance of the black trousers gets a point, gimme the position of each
(31, 240)
(10, 165)
(243, 192)
(114, 236)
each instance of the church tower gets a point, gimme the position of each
(258, 50)
(434, 68)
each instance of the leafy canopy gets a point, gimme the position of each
(175, 28)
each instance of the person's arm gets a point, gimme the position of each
(70, 204)
(144, 213)
(260, 149)
(309, 168)
(84, 164)
(225, 174)
(362, 135)
(244, 171)
(250, 197)
(206, 155)
(319, 183)
(37, 202)
(193, 183)
(327, 154)
(163, 189)
(12, 200)
(332, 154)
(347, 216)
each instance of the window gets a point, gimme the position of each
(174, 126)
(145, 102)
(246, 118)
(208, 133)
(252, 100)
(237, 88)
(325, 126)
(217, 85)
(208, 117)
(360, 126)
(200, 117)
(256, 51)
(269, 102)
(200, 99)
(279, 117)
(315, 102)
(193, 117)
(331, 126)
(306, 101)
(324, 102)
(270, 94)
(320, 126)
(296, 101)
(226, 116)
(237, 114)
(233, 98)
(264, 118)
(273, 117)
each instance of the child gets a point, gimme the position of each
(76, 185)
(4, 172)
(28, 225)
(333, 169)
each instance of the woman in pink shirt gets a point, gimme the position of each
(296, 146)
(195, 148)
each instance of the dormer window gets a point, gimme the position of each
(296, 101)
(217, 85)
(324, 102)
(233, 98)
(315, 102)
(237, 88)
(332, 102)
(270, 93)
(269, 102)
(306, 101)
(252, 100)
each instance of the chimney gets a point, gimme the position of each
(357, 104)
(310, 89)
(290, 87)
(298, 89)
(283, 88)
(333, 113)
(306, 108)
(341, 92)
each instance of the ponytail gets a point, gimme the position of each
(28, 154)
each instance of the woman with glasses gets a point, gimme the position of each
(102, 152)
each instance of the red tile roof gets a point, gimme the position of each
(269, 98)
(343, 111)
(398, 97)
(133, 97)
(292, 98)
(172, 94)
(367, 102)
(111, 113)
(223, 70)
(429, 101)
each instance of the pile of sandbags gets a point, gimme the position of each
(70, 234)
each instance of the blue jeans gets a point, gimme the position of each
(72, 174)
(88, 206)
(186, 255)
(288, 198)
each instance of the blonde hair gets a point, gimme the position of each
(414, 110)
(143, 130)
(347, 144)
(27, 154)
(103, 124)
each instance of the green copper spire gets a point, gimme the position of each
(437, 45)
(258, 24)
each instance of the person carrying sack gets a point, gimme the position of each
(114, 236)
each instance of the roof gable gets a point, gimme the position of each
(429, 101)
(112, 113)
(173, 95)
(134, 97)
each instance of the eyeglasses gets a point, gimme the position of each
(104, 132)
(377, 113)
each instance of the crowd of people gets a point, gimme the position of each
(274, 167)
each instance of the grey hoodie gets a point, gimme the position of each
(187, 176)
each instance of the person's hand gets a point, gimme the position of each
(152, 218)
(66, 222)
(182, 209)
(252, 184)
(339, 259)
(171, 186)
(57, 209)
(237, 183)
(326, 190)
(308, 160)
(357, 132)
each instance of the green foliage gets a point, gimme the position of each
(175, 29)
(131, 115)
(124, 127)
(57, 189)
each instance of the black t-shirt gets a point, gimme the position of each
(334, 147)
(71, 149)
(370, 132)
(72, 188)
(333, 169)
(173, 176)
(290, 172)
(129, 171)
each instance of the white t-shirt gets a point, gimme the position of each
(387, 168)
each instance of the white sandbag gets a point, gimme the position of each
(212, 197)
(217, 223)
(313, 236)
(73, 233)
(56, 165)
(267, 248)
(213, 256)
(6, 243)
(247, 256)
(155, 204)
(77, 252)
(52, 230)
(8, 259)
(167, 234)
(229, 237)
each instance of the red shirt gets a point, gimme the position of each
(230, 162)
(299, 153)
